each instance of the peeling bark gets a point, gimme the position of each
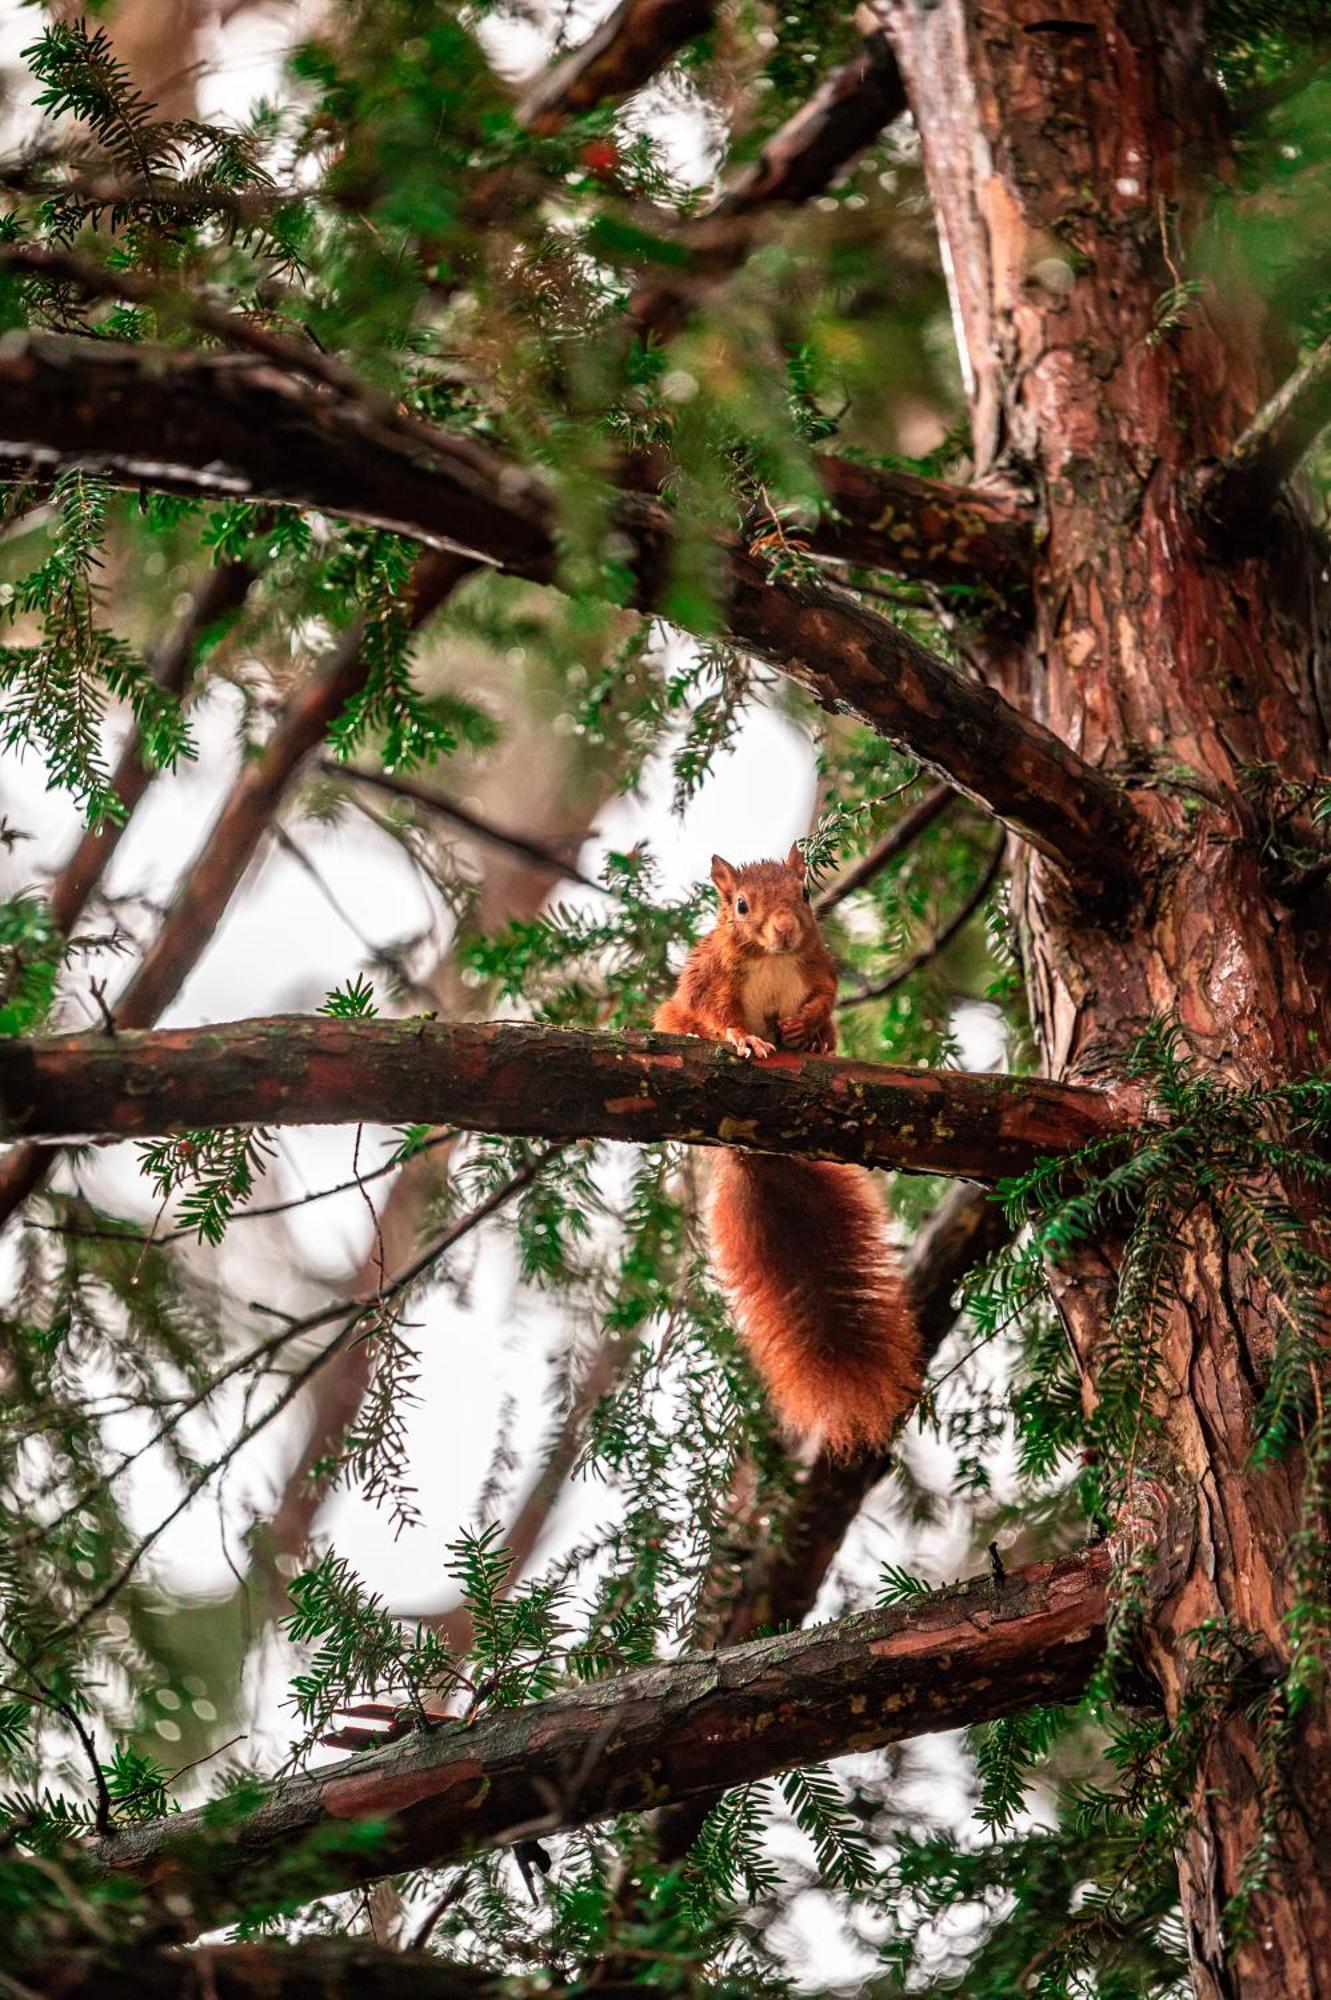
(1068, 154)
(667, 1732)
(516, 1078)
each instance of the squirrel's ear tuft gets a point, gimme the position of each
(795, 861)
(723, 875)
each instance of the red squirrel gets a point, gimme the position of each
(801, 1246)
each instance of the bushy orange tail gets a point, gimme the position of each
(803, 1251)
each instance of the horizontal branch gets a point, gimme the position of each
(1236, 493)
(664, 1733)
(231, 424)
(537, 1082)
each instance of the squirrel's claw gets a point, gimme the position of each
(815, 1038)
(750, 1045)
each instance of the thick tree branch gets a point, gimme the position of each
(199, 422)
(516, 1078)
(664, 1733)
(926, 528)
(853, 661)
(1236, 494)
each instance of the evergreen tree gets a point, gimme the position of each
(948, 380)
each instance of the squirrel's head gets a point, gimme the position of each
(764, 906)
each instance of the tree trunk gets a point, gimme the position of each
(1067, 150)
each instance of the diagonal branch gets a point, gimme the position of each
(780, 1578)
(845, 114)
(24, 1168)
(208, 887)
(783, 1576)
(941, 938)
(203, 423)
(230, 847)
(625, 52)
(916, 819)
(665, 1733)
(222, 591)
(552, 857)
(1236, 495)
(521, 1079)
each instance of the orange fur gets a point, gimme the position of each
(803, 1249)
(801, 1246)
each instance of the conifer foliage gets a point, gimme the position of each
(467, 446)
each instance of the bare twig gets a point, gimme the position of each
(1236, 494)
(544, 854)
(917, 819)
(941, 938)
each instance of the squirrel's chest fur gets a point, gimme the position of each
(772, 987)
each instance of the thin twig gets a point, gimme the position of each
(894, 842)
(264, 1350)
(939, 941)
(543, 854)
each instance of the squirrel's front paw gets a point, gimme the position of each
(750, 1045)
(814, 1037)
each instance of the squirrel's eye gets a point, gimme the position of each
(741, 906)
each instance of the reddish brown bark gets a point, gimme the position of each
(1067, 151)
(928, 529)
(232, 425)
(667, 1732)
(512, 1077)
